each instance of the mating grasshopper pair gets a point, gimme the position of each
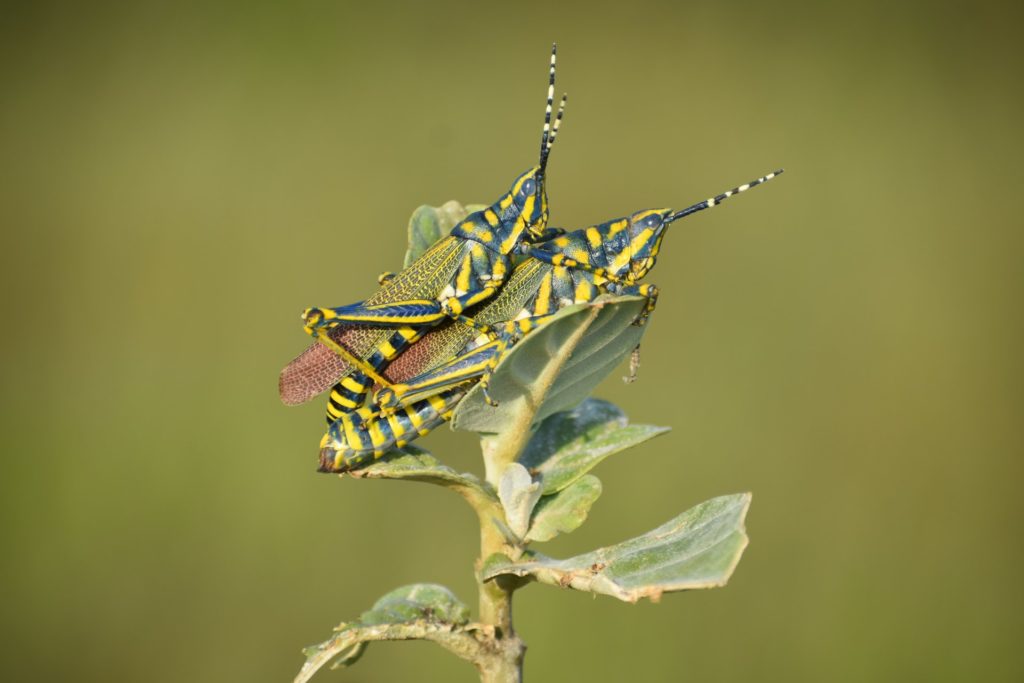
(610, 258)
(461, 275)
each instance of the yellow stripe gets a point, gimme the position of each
(491, 218)
(616, 227)
(584, 292)
(520, 225)
(498, 271)
(342, 401)
(376, 435)
(640, 240)
(542, 304)
(387, 350)
(437, 403)
(462, 280)
(580, 256)
(350, 384)
(594, 237)
(352, 435)
(415, 418)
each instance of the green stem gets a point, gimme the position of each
(505, 662)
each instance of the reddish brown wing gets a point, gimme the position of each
(312, 372)
(317, 368)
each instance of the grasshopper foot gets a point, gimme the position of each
(487, 395)
(315, 318)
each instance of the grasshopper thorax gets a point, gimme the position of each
(631, 244)
(524, 209)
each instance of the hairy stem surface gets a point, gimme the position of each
(505, 663)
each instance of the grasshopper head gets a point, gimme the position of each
(529, 203)
(646, 230)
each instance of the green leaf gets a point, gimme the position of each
(565, 511)
(430, 223)
(698, 549)
(569, 444)
(555, 367)
(518, 494)
(415, 602)
(416, 464)
(420, 611)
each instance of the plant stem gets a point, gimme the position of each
(505, 663)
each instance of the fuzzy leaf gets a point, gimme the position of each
(569, 444)
(555, 367)
(430, 223)
(417, 464)
(518, 494)
(565, 511)
(420, 611)
(698, 549)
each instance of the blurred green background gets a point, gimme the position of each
(180, 180)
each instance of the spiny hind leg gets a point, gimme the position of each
(502, 346)
(395, 314)
(405, 315)
(399, 313)
(462, 368)
(348, 395)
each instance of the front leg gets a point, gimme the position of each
(461, 369)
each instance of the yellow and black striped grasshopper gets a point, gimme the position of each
(577, 267)
(459, 271)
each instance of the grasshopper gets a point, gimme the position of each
(459, 271)
(577, 267)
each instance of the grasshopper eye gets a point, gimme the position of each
(529, 187)
(652, 221)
